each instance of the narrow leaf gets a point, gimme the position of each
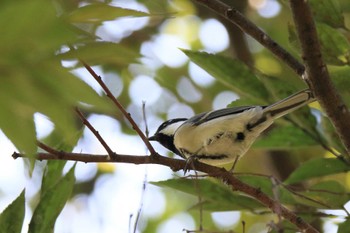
(330, 135)
(335, 46)
(269, 187)
(317, 168)
(100, 12)
(16, 121)
(52, 175)
(216, 196)
(54, 168)
(344, 227)
(102, 53)
(232, 73)
(26, 65)
(327, 11)
(11, 219)
(285, 137)
(51, 204)
(341, 79)
(330, 193)
(277, 87)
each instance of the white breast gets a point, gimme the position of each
(219, 138)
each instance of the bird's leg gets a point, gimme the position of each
(234, 164)
(189, 163)
(190, 158)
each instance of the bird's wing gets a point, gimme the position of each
(207, 116)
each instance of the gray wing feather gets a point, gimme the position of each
(276, 110)
(207, 116)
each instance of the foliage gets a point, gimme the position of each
(34, 79)
(11, 218)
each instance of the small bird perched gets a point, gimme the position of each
(222, 136)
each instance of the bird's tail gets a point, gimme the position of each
(289, 104)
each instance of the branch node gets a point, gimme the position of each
(229, 13)
(112, 156)
(15, 155)
(300, 220)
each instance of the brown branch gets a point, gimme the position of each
(121, 108)
(49, 149)
(177, 164)
(251, 29)
(317, 72)
(95, 132)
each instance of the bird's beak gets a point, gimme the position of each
(152, 138)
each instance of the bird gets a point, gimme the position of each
(223, 136)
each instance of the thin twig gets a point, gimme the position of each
(144, 116)
(317, 72)
(276, 195)
(276, 182)
(199, 195)
(346, 211)
(306, 198)
(95, 132)
(49, 149)
(251, 29)
(316, 138)
(177, 164)
(138, 215)
(121, 108)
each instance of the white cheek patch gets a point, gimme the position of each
(171, 129)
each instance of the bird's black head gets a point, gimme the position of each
(165, 133)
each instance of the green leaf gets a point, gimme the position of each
(278, 88)
(16, 121)
(54, 168)
(52, 175)
(335, 46)
(293, 37)
(51, 204)
(328, 12)
(344, 227)
(62, 82)
(232, 73)
(19, 57)
(32, 79)
(285, 137)
(97, 53)
(42, 37)
(317, 168)
(11, 219)
(216, 196)
(330, 135)
(331, 193)
(341, 79)
(269, 187)
(241, 102)
(100, 12)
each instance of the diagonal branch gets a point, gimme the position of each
(317, 72)
(235, 17)
(121, 108)
(178, 164)
(95, 132)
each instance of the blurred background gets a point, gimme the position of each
(117, 197)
